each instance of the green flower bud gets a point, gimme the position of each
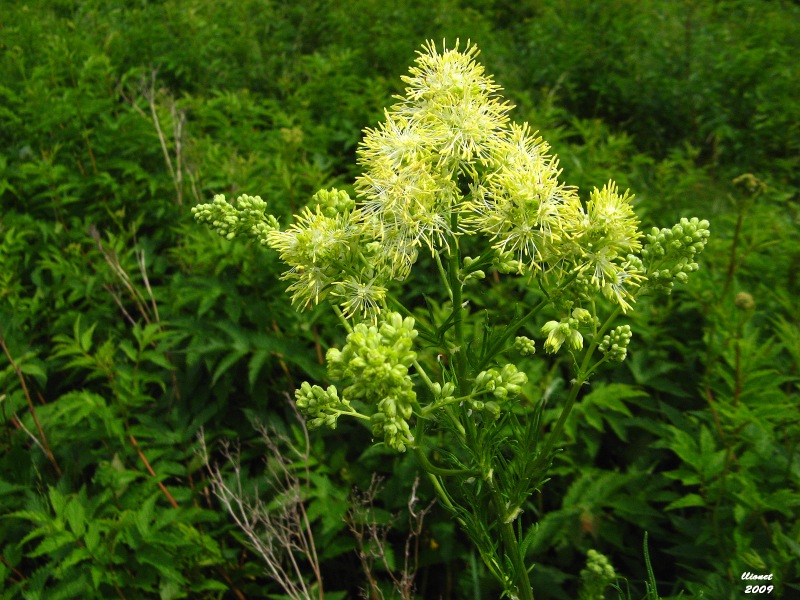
(246, 216)
(376, 359)
(615, 344)
(669, 254)
(744, 301)
(323, 407)
(596, 577)
(560, 332)
(504, 262)
(502, 384)
(524, 345)
(582, 316)
(333, 202)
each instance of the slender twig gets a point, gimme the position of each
(42, 437)
(317, 345)
(280, 535)
(143, 270)
(10, 566)
(152, 472)
(148, 92)
(178, 120)
(116, 267)
(117, 299)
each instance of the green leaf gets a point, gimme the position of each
(92, 537)
(254, 366)
(52, 543)
(75, 515)
(86, 337)
(58, 500)
(226, 363)
(35, 371)
(144, 517)
(687, 501)
(707, 444)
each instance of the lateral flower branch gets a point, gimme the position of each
(447, 173)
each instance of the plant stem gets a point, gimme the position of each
(443, 275)
(580, 379)
(429, 467)
(510, 543)
(514, 326)
(459, 354)
(512, 550)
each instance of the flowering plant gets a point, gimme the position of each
(447, 173)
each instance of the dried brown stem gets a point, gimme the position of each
(282, 535)
(16, 571)
(148, 92)
(42, 437)
(372, 541)
(152, 472)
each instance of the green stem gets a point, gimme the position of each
(456, 423)
(580, 379)
(429, 467)
(423, 374)
(339, 314)
(514, 326)
(459, 353)
(443, 275)
(510, 542)
(356, 414)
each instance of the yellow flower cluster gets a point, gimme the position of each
(445, 163)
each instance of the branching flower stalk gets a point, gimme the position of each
(447, 174)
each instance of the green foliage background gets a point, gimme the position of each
(127, 328)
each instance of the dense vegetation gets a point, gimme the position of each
(127, 329)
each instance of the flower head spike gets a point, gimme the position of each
(605, 240)
(610, 216)
(522, 205)
(315, 246)
(411, 201)
(451, 92)
(361, 298)
(396, 142)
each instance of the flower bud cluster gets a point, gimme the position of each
(467, 273)
(502, 384)
(524, 345)
(598, 574)
(505, 262)
(585, 287)
(376, 359)
(566, 330)
(322, 407)
(246, 216)
(615, 344)
(444, 394)
(670, 254)
(333, 202)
